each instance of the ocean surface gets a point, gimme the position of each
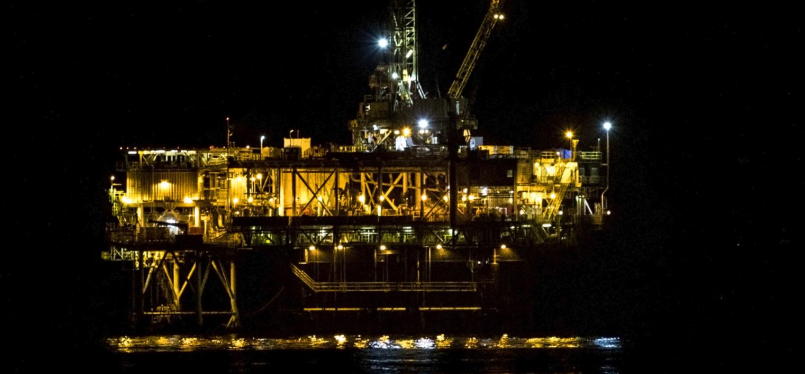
(364, 354)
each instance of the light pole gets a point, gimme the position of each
(569, 136)
(228, 181)
(227, 135)
(607, 127)
(112, 190)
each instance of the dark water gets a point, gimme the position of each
(365, 354)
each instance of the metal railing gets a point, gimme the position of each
(384, 286)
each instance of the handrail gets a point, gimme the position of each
(385, 286)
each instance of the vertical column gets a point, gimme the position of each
(141, 287)
(379, 190)
(337, 196)
(363, 192)
(453, 142)
(281, 192)
(293, 192)
(405, 188)
(176, 283)
(514, 195)
(420, 186)
(234, 294)
(199, 311)
(140, 219)
(418, 279)
(136, 289)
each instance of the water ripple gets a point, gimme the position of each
(183, 343)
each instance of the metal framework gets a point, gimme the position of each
(432, 216)
(170, 283)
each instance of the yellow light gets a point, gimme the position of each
(445, 198)
(235, 200)
(406, 131)
(533, 195)
(362, 199)
(569, 134)
(463, 198)
(126, 200)
(503, 246)
(253, 179)
(471, 197)
(271, 200)
(164, 184)
(382, 247)
(188, 200)
(424, 197)
(312, 248)
(259, 176)
(438, 246)
(382, 198)
(113, 178)
(340, 247)
(319, 198)
(250, 199)
(553, 195)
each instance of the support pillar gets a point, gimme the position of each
(293, 192)
(235, 320)
(199, 310)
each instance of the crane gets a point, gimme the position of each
(457, 87)
(478, 44)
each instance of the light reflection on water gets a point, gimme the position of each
(366, 354)
(180, 343)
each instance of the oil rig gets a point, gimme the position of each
(416, 216)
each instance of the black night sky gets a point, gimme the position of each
(705, 144)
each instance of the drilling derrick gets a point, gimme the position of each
(398, 115)
(386, 117)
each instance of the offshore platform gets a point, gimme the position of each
(417, 215)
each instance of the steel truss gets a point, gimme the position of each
(168, 284)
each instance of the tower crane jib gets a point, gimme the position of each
(490, 19)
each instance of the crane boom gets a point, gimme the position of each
(478, 44)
